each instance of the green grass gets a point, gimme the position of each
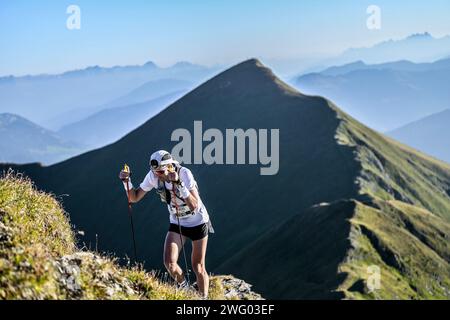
(408, 244)
(35, 231)
(391, 170)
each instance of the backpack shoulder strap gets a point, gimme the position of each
(179, 167)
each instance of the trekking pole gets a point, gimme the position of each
(181, 235)
(130, 211)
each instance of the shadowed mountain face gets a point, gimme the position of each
(311, 230)
(308, 248)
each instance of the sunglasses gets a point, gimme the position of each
(161, 170)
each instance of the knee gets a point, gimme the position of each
(199, 268)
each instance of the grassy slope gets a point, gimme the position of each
(39, 258)
(404, 227)
(410, 246)
(392, 170)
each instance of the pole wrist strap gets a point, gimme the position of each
(130, 185)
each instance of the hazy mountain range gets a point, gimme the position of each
(148, 91)
(419, 47)
(131, 100)
(430, 134)
(109, 125)
(23, 141)
(97, 130)
(46, 99)
(383, 96)
(97, 127)
(346, 198)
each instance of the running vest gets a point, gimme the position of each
(166, 196)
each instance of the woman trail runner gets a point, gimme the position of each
(188, 216)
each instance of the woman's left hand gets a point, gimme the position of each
(173, 176)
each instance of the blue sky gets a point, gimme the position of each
(34, 38)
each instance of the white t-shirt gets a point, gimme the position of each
(200, 214)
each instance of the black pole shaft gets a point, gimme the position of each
(184, 252)
(130, 213)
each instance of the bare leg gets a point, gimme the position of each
(172, 247)
(198, 264)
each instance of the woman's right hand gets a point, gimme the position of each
(124, 175)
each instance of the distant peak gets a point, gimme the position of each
(89, 69)
(256, 72)
(96, 67)
(150, 64)
(182, 64)
(425, 35)
(251, 65)
(8, 115)
(358, 63)
(252, 61)
(12, 118)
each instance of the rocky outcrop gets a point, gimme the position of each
(237, 289)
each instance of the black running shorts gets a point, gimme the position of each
(193, 233)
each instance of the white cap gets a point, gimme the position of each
(161, 158)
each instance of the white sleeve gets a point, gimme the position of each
(187, 178)
(148, 183)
